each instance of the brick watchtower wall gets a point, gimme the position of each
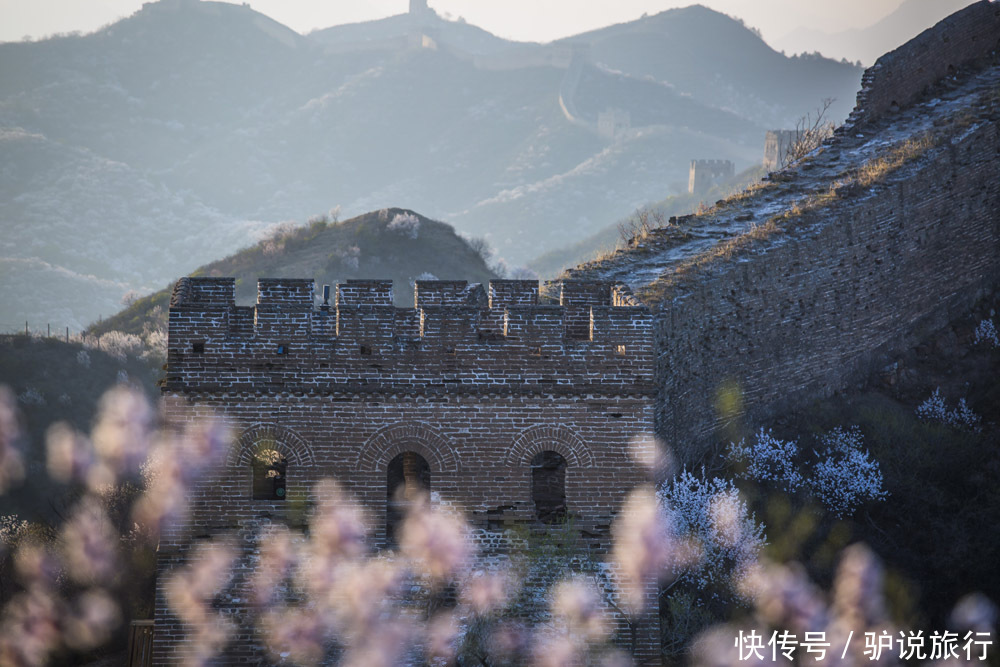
(776, 146)
(706, 173)
(477, 383)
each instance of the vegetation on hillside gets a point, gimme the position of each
(54, 381)
(391, 243)
(651, 216)
(916, 451)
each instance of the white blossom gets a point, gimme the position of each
(986, 334)
(846, 475)
(406, 224)
(769, 459)
(934, 408)
(718, 525)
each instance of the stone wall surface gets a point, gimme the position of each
(810, 311)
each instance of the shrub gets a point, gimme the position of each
(986, 334)
(846, 475)
(769, 459)
(717, 526)
(934, 408)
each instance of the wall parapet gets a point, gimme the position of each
(900, 77)
(459, 337)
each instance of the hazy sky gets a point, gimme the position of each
(535, 20)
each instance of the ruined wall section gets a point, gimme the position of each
(970, 36)
(806, 312)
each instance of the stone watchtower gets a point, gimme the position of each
(469, 393)
(777, 144)
(706, 173)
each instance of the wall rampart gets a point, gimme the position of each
(900, 77)
(807, 312)
(459, 338)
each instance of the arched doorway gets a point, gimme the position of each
(408, 478)
(548, 487)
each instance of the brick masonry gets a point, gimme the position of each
(477, 382)
(812, 311)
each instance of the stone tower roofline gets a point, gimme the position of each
(720, 164)
(458, 337)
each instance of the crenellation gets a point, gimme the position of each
(505, 293)
(285, 340)
(446, 293)
(364, 293)
(703, 174)
(286, 292)
(580, 293)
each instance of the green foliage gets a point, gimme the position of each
(682, 616)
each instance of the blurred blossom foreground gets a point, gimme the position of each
(319, 593)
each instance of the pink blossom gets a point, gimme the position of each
(277, 558)
(578, 604)
(486, 592)
(11, 465)
(94, 618)
(89, 543)
(30, 628)
(437, 541)
(443, 637)
(296, 634)
(70, 455)
(337, 527)
(121, 434)
(857, 588)
(644, 548)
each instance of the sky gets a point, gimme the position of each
(528, 20)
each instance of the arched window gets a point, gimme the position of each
(407, 479)
(269, 471)
(548, 487)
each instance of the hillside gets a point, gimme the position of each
(615, 235)
(176, 135)
(54, 381)
(391, 243)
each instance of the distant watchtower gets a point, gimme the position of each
(706, 173)
(777, 144)
(418, 7)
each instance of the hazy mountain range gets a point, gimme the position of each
(132, 155)
(867, 44)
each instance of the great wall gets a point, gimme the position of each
(778, 296)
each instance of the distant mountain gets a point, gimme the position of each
(867, 44)
(140, 152)
(717, 60)
(397, 244)
(389, 31)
